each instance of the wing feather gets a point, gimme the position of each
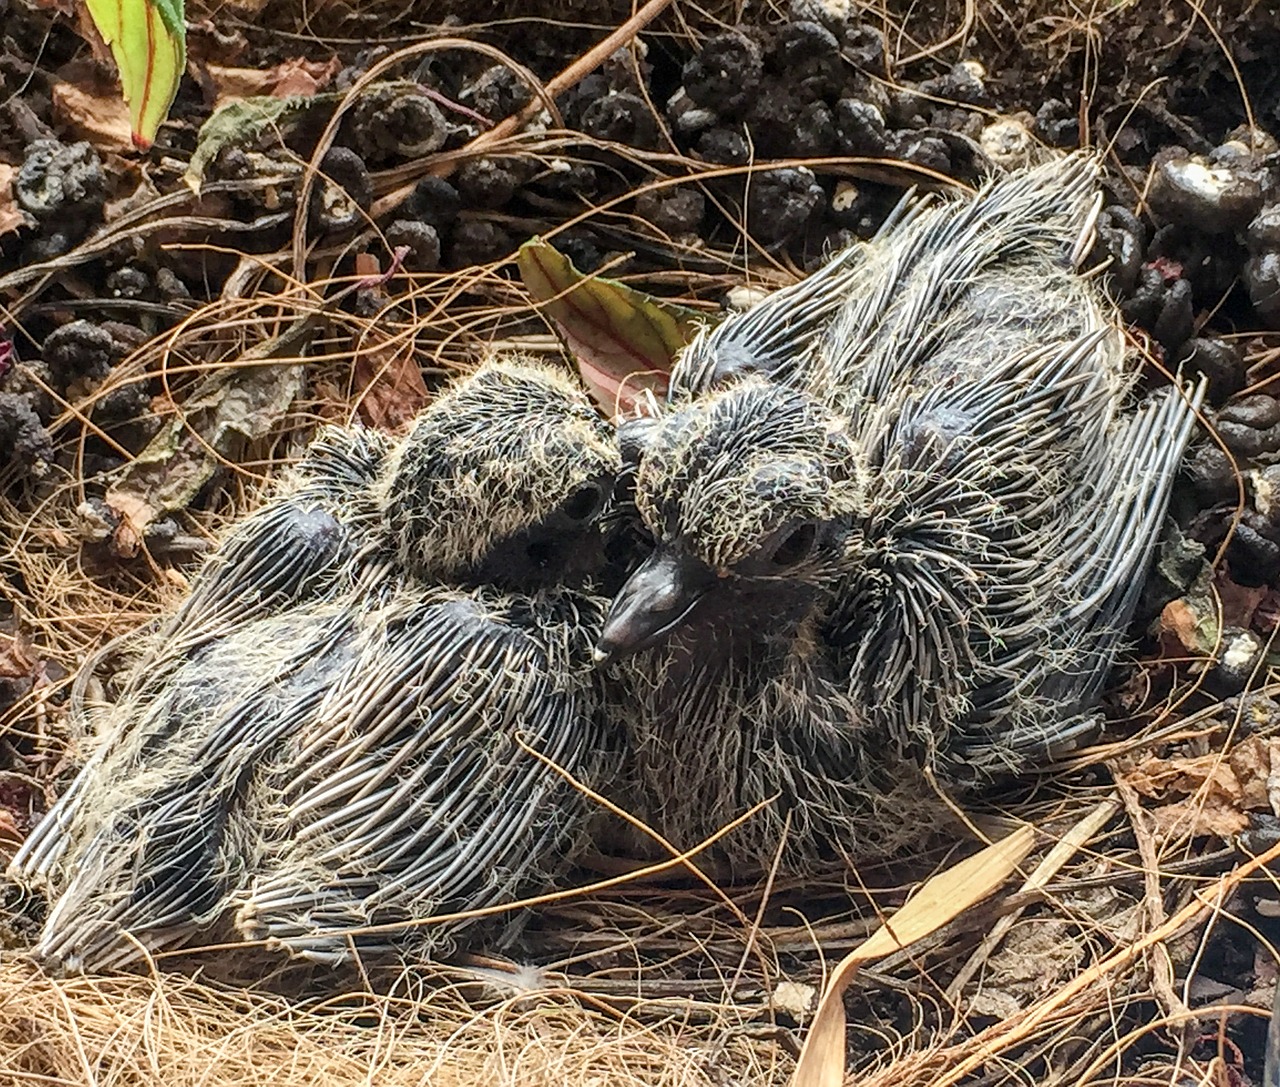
(417, 798)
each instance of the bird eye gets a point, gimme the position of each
(796, 546)
(584, 503)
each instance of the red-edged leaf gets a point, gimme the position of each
(624, 341)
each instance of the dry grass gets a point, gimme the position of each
(171, 1030)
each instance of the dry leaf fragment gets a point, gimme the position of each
(232, 407)
(240, 123)
(1206, 795)
(391, 379)
(100, 118)
(936, 903)
(12, 217)
(294, 77)
(624, 341)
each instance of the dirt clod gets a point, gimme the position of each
(1194, 191)
(489, 183)
(343, 192)
(782, 202)
(672, 211)
(395, 120)
(58, 179)
(621, 117)
(435, 201)
(420, 239)
(725, 74)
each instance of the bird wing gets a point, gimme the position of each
(289, 549)
(1104, 558)
(943, 613)
(287, 552)
(148, 840)
(772, 337)
(906, 298)
(410, 796)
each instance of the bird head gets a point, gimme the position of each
(746, 494)
(503, 479)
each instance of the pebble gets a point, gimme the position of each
(1250, 426)
(422, 241)
(1009, 143)
(1217, 360)
(860, 128)
(341, 199)
(807, 55)
(1193, 191)
(622, 117)
(781, 203)
(397, 120)
(489, 183)
(1211, 474)
(1261, 276)
(478, 242)
(1238, 657)
(434, 200)
(672, 211)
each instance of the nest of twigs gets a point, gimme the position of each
(1133, 948)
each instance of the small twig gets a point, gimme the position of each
(567, 79)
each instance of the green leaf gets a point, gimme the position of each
(241, 122)
(148, 38)
(624, 341)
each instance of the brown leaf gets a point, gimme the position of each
(17, 661)
(1196, 818)
(393, 389)
(10, 836)
(12, 217)
(1179, 620)
(295, 77)
(1239, 602)
(623, 341)
(102, 118)
(1204, 795)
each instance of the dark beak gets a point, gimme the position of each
(656, 599)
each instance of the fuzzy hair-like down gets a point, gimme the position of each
(514, 440)
(970, 501)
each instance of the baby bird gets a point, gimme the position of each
(919, 545)
(376, 755)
